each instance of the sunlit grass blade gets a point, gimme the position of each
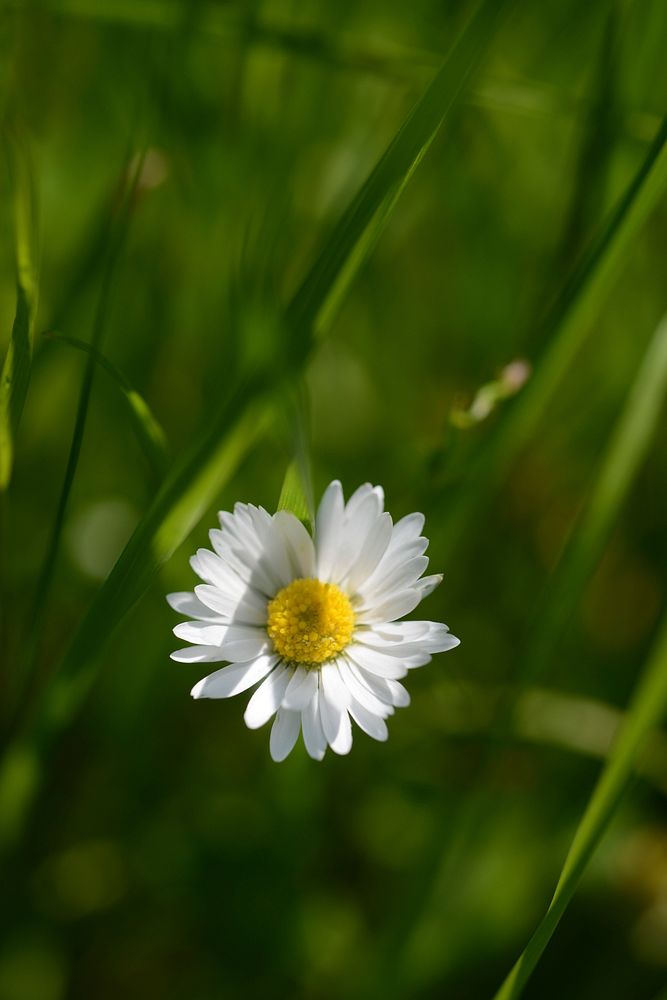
(296, 494)
(21, 679)
(622, 460)
(314, 304)
(564, 330)
(15, 374)
(625, 452)
(594, 157)
(198, 479)
(647, 709)
(149, 433)
(293, 494)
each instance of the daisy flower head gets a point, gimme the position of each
(313, 620)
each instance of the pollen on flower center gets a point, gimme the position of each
(310, 621)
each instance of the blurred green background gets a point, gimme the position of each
(167, 856)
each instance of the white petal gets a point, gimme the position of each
(372, 724)
(239, 530)
(401, 578)
(376, 662)
(356, 529)
(431, 637)
(361, 692)
(248, 608)
(298, 542)
(407, 529)
(244, 642)
(233, 679)
(429, 583)
(328, 525)
(333, 685)
(357, 498)
(212, 569)
(336, 725)
(274, 558)
(284, 733)
(200, 632)
(311, 726)
(199, 654)
(187, 604)
(266, 699)
(391, 632)
(371, 553)
(405, 542)
(400, 695)
(399, 604)
(300, 689)
(245, 560)
(379, 686)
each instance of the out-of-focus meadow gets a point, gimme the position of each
(173, 171)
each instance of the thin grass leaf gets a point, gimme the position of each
(314, 304)
(626, 450)
(293, 494)
(150, 434)
(564, 330)
(648, 707)
(622, 460)
(594, 156)
(21, 681)
(15, 374)
(194, 484)
(296, 494)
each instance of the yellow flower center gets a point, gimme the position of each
(310, 621)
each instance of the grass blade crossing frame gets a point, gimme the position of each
(565, 327)
(15, 373)
(149, 433)
(647, 709)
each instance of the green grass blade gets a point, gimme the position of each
(574, 311)
(564, 329)
(149, 433)
(622, 460)
(293, 494)
(15, 374)
(296, 494)
(314, 304)
(626, 450)
(646, 711)
(21, 680)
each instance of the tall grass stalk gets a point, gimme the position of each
(116, 239)
(648, 707)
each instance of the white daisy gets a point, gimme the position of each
(314, 619)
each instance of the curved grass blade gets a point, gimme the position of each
(625, 452)
(293, 494)
(118, 229)
(564, 330)
(296, 494)
(645, 713)
(15, 374)
(193, 485)
(627, 448)
(314, 304)
(150, 434)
